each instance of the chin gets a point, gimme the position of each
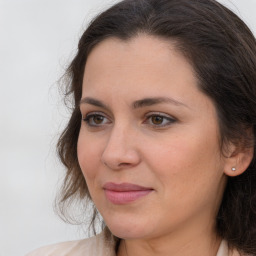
(126, 233)
(127, 230)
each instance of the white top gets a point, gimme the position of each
(96, 246)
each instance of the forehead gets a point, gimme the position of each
(144, 58)
(119, 73)
(144, 47)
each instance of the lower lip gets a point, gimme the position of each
(125, 197)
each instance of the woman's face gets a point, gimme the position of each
(149, 141)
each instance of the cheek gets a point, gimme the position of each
(182, 153)
(187, 161)
(88, 153)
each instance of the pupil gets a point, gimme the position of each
(157, 119)
(98, 119)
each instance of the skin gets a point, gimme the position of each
(177, 154)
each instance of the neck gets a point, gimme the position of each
(202, 242)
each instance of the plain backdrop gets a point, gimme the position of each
(37, 41)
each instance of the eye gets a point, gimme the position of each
(95, 120)
(159, 120)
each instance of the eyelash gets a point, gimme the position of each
(90, 117)
(167, 119)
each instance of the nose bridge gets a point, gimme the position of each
(120, 149)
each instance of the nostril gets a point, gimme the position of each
(119, 154)
(105, 163)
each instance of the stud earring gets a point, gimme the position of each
(233, 169)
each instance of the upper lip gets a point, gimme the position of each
(122, 187)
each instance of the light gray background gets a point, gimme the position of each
(37, 40)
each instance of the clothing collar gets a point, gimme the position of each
(223, 249)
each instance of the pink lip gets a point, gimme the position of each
(125, 192)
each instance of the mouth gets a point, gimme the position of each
(124, 193)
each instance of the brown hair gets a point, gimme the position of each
(222, 50)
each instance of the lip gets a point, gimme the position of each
(124, 193)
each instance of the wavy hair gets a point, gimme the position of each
(222, 51)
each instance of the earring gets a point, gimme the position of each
(233, 169)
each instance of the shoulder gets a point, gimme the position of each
(96, 245)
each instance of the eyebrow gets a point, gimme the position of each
(158, 100)
(93, 102)
(137, 104)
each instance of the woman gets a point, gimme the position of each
(161, 137)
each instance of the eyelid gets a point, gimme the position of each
(92, 114)
(168, 117)
(162, 114)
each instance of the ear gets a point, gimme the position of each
(238, 160)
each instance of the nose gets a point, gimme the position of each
(121, 151)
